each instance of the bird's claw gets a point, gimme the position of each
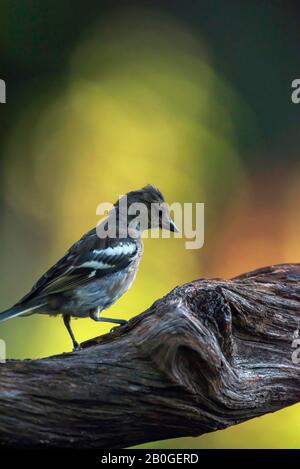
(76, 347)
(113, 329)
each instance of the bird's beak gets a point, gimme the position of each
(173, 227)
(166, 223)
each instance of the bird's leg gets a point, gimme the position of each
(67, 321)
(95, 315)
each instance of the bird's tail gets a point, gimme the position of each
(18, 310)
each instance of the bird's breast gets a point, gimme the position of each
(103, 292)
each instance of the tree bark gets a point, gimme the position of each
(210, 354)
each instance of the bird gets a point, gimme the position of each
(101, 266)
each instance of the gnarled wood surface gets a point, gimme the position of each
(210, 354)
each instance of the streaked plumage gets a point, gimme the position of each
(94, 273)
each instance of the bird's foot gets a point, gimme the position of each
(113, 329)
(76, 347)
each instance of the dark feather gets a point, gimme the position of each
(73, 271)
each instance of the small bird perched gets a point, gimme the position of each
(97, 270)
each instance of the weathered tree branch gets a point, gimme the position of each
(210, 354)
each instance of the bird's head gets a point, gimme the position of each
(148, 207)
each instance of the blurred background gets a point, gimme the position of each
(104, 97)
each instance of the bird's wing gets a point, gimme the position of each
(91, 257)
(94, 264)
